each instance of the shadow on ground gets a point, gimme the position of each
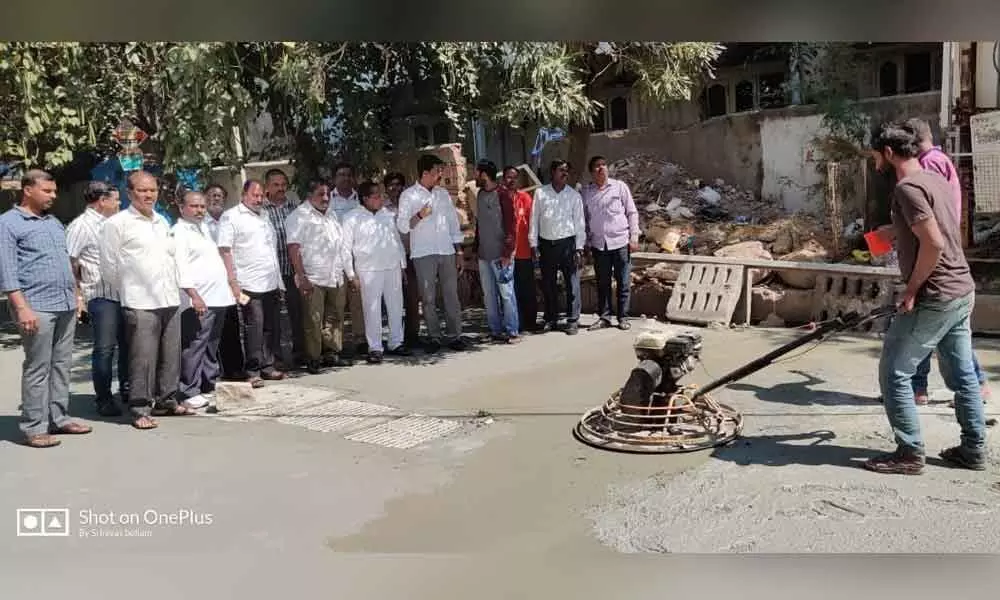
(802, 393)
(780, 451)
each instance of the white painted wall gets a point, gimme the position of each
(789, 162)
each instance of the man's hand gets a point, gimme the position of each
(425, 211)
(198, 305)
(305, 286)
(505, 261)
(906, 301)
(534, 254)
(633, 246)
(234, 287)
(353, 282)
(459, 262)
(81, 307)
(578, 259)
(27, 320)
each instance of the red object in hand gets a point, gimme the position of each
(878, 244)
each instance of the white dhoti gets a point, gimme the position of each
(376, 287)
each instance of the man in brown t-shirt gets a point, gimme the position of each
(934, 309)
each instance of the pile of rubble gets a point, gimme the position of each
(681, 213)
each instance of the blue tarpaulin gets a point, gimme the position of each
(110, 171)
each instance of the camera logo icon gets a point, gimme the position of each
(42, 522)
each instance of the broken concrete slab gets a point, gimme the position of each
(790, 305)
(234, 396)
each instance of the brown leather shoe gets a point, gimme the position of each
(71, 428)
(42, 440)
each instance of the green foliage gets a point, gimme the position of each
(331, 99)
(828, 73)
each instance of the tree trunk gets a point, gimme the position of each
(579, 140)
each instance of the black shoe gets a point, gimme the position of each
(361, 349)
(335, 360)
(624, 325)
(549, 326)
(314, 367)
(107, 408)
(960, 458)
(400, 350)
(458, 345)
(432, 347)
(572, 328)
(600, 324)
(374, 358)
(896, 463)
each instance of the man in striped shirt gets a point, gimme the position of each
(277, 208)
(83, 237)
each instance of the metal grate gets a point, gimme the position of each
(331, 417)
(406, 432)
(985, 180)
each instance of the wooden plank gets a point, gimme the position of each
(650, 258)
(705, 293)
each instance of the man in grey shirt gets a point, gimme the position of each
(495, 250)
(36, 275)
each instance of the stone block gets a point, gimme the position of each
(792, 306)
(234, 395)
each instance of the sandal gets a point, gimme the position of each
(145, 423)
(177, 410)
(71, 429)
(43, 440)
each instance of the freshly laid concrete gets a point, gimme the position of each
(510, 480)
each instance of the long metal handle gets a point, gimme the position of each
(848, 321)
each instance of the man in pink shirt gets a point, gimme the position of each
(932, 158)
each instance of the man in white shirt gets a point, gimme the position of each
(322, 262)
(394, 184)
(344, 199)
(249, 251)
(107, 321)
(379, 261)
(215, 205)
(277, 207)
(138, 259)
(205, 298)
(428, 215)
(557, 234)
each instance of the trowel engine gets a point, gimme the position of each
(665, 356)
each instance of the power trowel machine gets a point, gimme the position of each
(654, 413)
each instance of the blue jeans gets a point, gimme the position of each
(912, 337)
(108, 324)
(924, 369)
(498, 297)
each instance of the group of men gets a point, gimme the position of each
(187, 305)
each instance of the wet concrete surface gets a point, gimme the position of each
(511, 482)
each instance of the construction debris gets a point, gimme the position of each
(683, 214)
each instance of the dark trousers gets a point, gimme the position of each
(231, 344)
(608, 263)
(293, 301)
(154, 356)
(559, 256)
(526, 292)
(411, 298)
(262, 331)
(107, 321)
(200, 367)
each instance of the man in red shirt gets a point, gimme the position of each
(525, 289)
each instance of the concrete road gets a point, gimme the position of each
(259, 507)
